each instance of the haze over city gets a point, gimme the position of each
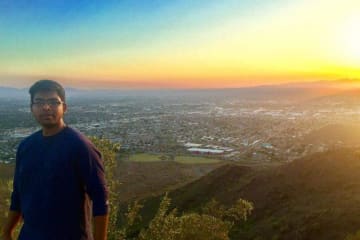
(178, 44)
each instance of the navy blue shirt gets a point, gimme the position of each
(57, 179)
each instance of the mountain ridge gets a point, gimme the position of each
(315, 197)
(298, 91)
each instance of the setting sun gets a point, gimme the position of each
(179, 44)
(351, 40)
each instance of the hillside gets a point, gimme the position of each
(335, 134)
(317, 197)
(351, 96)
(145, 179)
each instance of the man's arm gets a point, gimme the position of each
(91, 170)
(100, 227)
(11, 222)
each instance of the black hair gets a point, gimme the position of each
(47, 85)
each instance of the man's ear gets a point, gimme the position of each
(64, 107)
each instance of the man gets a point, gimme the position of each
(58, 174)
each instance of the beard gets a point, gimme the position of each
(49, 125)
(49, 121)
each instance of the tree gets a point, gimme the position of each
(108, 151)
(213, 223)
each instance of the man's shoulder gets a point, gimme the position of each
(74, 136)
(73, 133)
(78, 142)
(29, 143)
(33, 138)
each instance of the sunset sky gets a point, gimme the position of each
(178, 43)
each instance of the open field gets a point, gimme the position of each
(143, 179)
(146, 157)
(195, 160)
(142, 175)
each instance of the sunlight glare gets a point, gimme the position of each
(351, 39)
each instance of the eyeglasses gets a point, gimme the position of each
(50, 103)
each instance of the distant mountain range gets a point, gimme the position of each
(290, 91)
(9, 93)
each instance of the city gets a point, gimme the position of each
(228, 128)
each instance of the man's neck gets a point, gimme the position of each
(50, 131)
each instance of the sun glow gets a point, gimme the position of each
(351, 40)
(180, 44)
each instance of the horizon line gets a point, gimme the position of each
(341, 82)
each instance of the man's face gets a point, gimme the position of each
(48, 108)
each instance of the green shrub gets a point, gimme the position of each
(213, 223)
(108, 151)
(355, 236)
(6, 187)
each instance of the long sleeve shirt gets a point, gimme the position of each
(57, 180)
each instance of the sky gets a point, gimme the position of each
(142, 44)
